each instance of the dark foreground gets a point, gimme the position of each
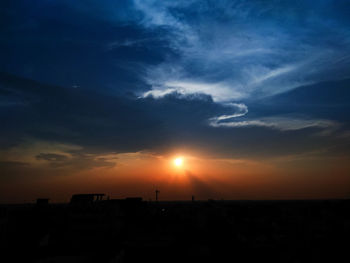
(212, 231)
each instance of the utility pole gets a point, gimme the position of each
(157, 192)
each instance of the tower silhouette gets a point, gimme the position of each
(157, 192)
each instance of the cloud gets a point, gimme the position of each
(239, 54)
(246, 56)
(220, 92)
(241, 110)
(9, 169)
(140, 43)
(279, 123)
(12, 164)
(76, 160)
(52, 157)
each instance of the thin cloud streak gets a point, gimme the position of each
(279, 123)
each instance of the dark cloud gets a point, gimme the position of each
(39, 44)
(12, 169)
(53, 157)
(12, 164)
(76, 161)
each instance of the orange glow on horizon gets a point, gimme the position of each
(179, 175)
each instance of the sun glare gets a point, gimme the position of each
(178, 161)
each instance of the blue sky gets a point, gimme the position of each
(236, 79)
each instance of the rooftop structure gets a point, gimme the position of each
(86, 198)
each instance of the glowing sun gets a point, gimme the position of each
(178, 161)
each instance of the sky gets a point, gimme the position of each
(101, 96)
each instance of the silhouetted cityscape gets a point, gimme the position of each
(94, 228)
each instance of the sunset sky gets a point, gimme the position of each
(103, 96)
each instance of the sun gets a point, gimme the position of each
(178, 161)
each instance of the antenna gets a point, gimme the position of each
(157, 192)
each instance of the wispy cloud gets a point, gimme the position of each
(240, 110)
(220, 92)
(245, 55)
(131, 43)
(279, 123)
(75, 160)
